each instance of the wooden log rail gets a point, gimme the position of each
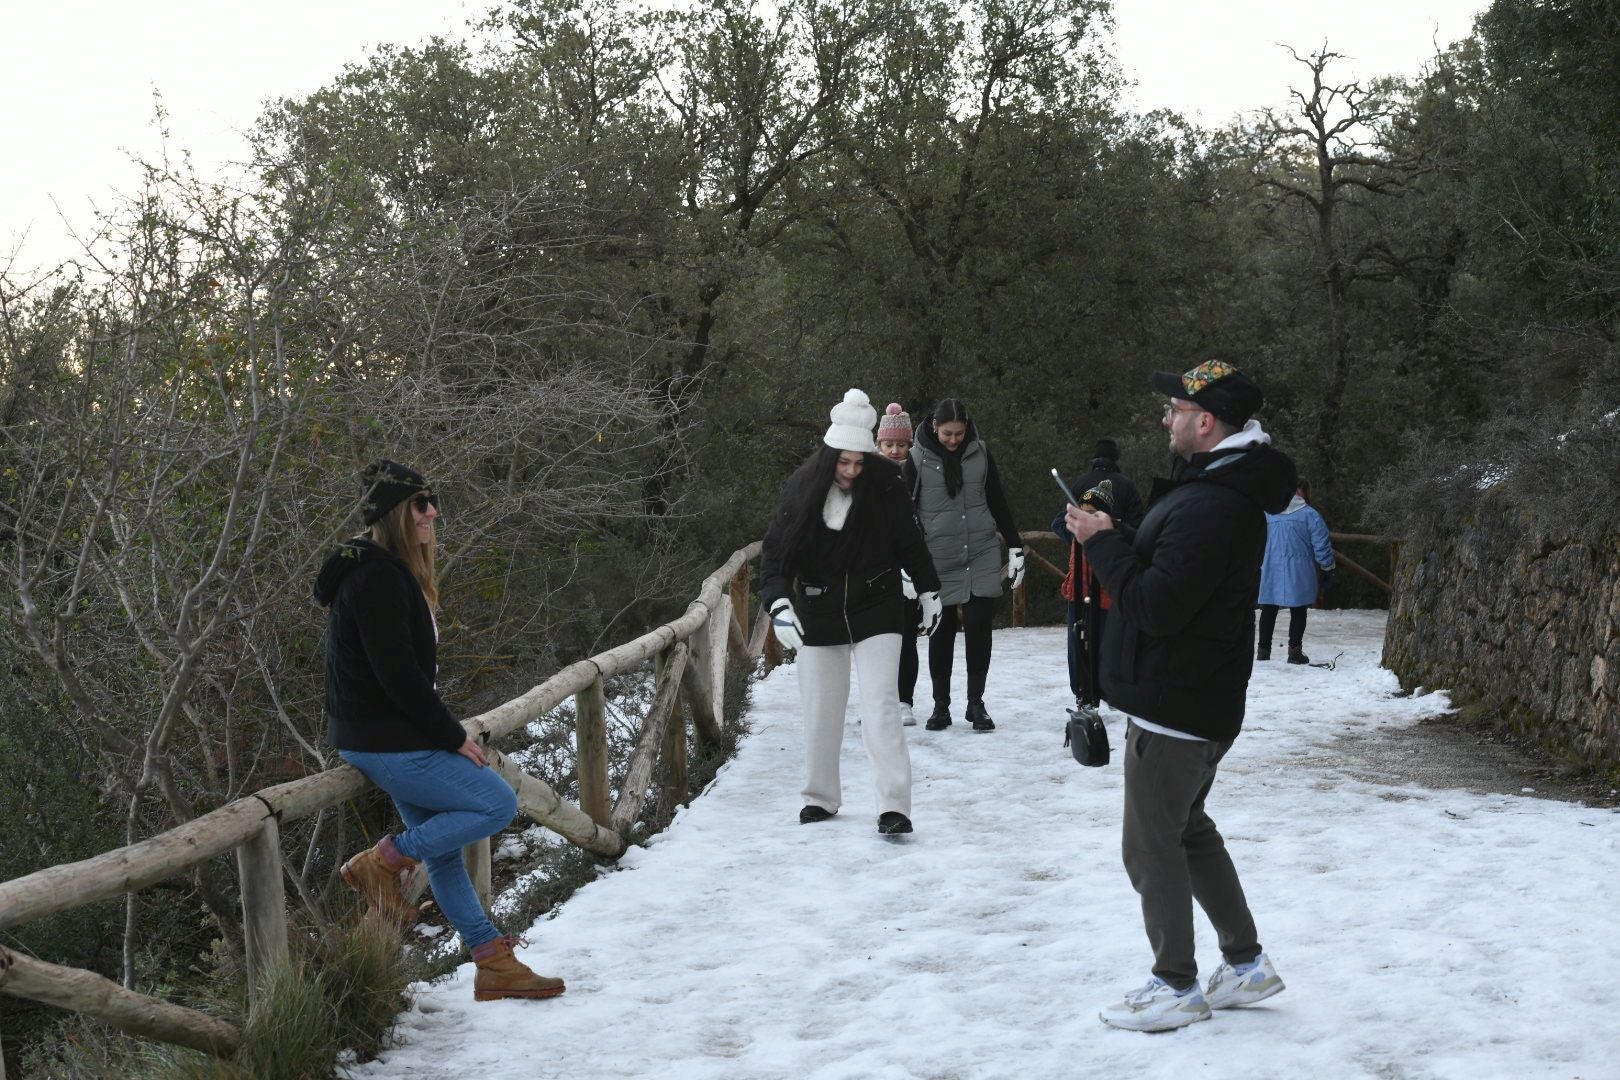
(1020, 611)
(690, 656)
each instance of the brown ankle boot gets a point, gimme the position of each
(502, 975)
(377, 874)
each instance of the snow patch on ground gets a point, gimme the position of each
(1422, 933)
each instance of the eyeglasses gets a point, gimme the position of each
(425, 500)
(1172, 406)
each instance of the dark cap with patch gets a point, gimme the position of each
(384, 485)
(1216, 387)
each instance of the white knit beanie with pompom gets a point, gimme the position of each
(852, 423)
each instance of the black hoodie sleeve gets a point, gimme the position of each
(383, 618)
(996, 499)
(910, 547)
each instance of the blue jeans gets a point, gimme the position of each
(447, 802)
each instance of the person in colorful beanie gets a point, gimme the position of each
(386, 719)
(894, 439)
(830, 575)
(1079, 587)
(1176, 661)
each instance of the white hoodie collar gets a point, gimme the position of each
(1248, 438)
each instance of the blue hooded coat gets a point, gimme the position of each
(1296, 544)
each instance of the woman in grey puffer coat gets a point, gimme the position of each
(957, 492)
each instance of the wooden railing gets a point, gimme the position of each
(1034, 560)
(689, 656)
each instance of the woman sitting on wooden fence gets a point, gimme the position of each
(830, 577)
(386, 719)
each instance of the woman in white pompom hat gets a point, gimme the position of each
(842, 534)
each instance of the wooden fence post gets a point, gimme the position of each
(674, 749)
(590, 751)
(476, 858)
(638, 773)
(264, 902)
(1020, 611)
(739, 618)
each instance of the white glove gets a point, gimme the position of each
(931, 609)
(907, 589)
(789, 631)
(1015, 566)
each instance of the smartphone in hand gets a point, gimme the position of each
(1067, 494)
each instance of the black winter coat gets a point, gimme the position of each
(847, 587)
(381, 656)
(1178, 649)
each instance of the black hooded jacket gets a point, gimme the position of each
(381, 656)
(847, 587)
(1179, 646)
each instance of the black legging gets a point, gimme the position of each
(908, 652)
(978, 614)
(1296, 626)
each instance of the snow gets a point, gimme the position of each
(1421, 933)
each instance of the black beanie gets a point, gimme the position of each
(385, 484)
(1108, 448)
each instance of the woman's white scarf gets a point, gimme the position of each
(835, 511)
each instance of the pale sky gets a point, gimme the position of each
(78, 75)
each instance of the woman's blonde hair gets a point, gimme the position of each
(396, 531)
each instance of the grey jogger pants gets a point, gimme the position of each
(1175, 855)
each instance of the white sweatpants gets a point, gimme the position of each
(824, 693)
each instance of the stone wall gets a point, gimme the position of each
(1506, 614)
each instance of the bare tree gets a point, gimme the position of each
(1331, 154)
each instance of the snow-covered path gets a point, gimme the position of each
(1421, 933)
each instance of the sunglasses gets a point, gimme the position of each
(425, 500)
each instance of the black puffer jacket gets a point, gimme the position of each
(847, 588)
(1179, 647)
(381, 656)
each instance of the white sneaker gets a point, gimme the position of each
(1157, 1007)
(907, 717)
(1231, 986)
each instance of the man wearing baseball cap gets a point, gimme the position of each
(1176, 659)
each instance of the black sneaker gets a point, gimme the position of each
(891, 822)
(812, 814)
(941, 719)
(1295, 656)
(979, 718)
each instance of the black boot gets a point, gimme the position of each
(1297, 656)
(941, 718)
(1263, 652)
(979, 718)
(813, 813)
(891, 822)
